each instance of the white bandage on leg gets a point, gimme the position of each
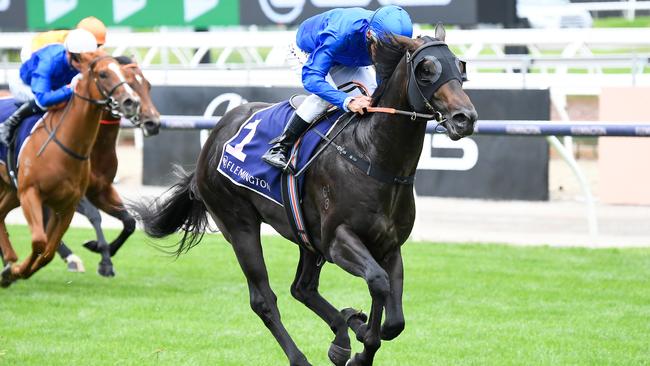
(312, 107)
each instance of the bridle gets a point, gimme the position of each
(108, 102)
(432, 50)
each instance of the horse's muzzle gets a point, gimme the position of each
(151, 127)
(461, 123)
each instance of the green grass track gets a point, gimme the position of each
(464, 304)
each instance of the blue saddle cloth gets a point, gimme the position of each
(7, 107)
(241, 158)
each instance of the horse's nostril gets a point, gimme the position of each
(460, 119)
(151, 127)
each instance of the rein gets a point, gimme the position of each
(437, 116)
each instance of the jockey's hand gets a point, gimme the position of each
(358, 104)
(75, 80)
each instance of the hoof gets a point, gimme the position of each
(105, 270)
(92, 246)
(5, 276)
(339, 355)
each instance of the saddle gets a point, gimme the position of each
(9, 154)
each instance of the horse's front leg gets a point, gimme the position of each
(56, 227)
(32, 205)
(248, 249)
(394, 323)
(305, 290)
(352, 255)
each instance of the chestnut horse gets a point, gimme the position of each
(101, 193)
(357, 220)
(54, 167)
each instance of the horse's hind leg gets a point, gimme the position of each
(351, 254)
(109, 201)
(394, 323)
(91, 212)
(8, 201)
(72, 261)
(305, 290)
(245, 240)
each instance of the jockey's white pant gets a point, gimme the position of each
(314, 105)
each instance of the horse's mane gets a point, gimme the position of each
(386, 53)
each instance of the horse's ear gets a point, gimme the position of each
(440, 32)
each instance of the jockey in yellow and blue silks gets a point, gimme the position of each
(337, 42)
(49, 72)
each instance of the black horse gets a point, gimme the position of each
(357, 222)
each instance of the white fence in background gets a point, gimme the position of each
(258, 57)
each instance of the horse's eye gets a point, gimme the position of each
(427, 71)
(103, 74)
(429, 68)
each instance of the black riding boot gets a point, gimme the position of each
(277, 155)
(8, 128)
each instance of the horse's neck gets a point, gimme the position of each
(78, 129)
(394, 142)
(106, 139)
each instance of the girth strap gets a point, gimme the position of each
(293, 209)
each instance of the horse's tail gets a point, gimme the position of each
(180, 208)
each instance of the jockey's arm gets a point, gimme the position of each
(42, 86)
(315, 71)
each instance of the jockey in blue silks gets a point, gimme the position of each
(337, 44)
(49, 72)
